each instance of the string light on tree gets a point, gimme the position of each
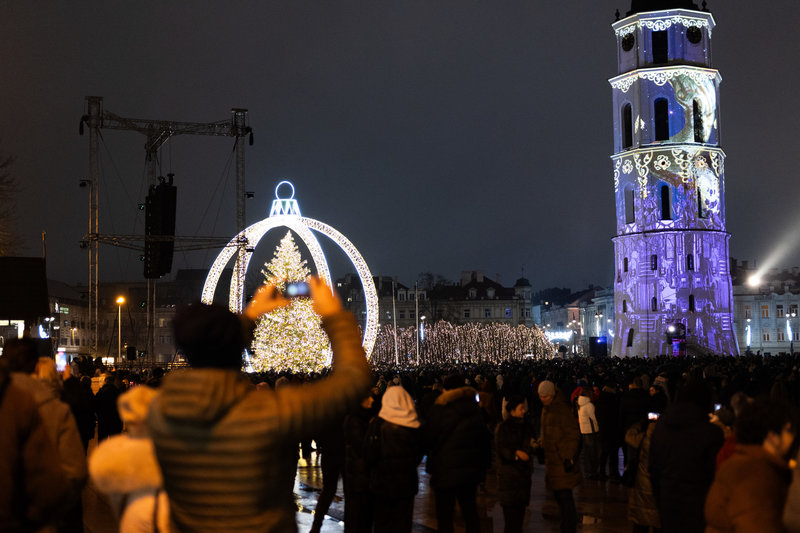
(289, 338)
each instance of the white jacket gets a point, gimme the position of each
(586, 418)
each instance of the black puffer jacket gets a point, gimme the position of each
(682, 460)
(456, 440)
(392, 453)
(513, 475)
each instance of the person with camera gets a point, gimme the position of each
(515, 463)
(222, 445)
(560, 439)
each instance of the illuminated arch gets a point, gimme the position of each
(286, 213)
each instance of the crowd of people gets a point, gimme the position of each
(707, 443)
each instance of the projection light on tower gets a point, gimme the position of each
(285, 213)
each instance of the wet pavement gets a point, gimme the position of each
(602, 506)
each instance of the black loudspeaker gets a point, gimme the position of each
(159, 222)
(130, 353)
(598, 347)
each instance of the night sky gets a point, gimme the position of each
(437, 135)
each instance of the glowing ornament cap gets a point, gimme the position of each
(284, 206)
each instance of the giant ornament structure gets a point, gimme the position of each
(672, 282)
(285, 212)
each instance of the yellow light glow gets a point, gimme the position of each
(120, 300)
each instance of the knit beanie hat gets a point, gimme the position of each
(547, 388)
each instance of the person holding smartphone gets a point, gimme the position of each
(223, 447)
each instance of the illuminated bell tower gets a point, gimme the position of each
(671, 247)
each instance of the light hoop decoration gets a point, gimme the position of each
(285, 212)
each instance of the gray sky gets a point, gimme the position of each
(436, 135)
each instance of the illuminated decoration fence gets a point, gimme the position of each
(671, 247)
(285, 212)
(446, 343)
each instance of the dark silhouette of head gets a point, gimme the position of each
(210, 336)
(21, 355)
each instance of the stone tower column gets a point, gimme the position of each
(671, 247)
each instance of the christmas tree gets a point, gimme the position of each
(289, 338)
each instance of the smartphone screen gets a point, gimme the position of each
(297, 289)
(717, 406)
(652, 416)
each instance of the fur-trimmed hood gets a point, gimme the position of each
(453, 395)
(121, 464)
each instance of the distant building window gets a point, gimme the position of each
(779, 310)
(654, 304)
(490, 292)
(666, 203)
(466, 313)
(793, 309)
(401, 297)
(689, 262)
(701, 208)
(630, 338)
(691, 303)
(401, 314)
(764, 311)
(625, 264)
(781, 335)
(627, 126)
(487, 313)
(654, 262)
(624, 306)
(747, 311)
(661, 117)
(421, 296)
(660, 47)
(630, 209)
(508, 312)
(697, 119)
(412, 314)
(765, 335)
(473, 293)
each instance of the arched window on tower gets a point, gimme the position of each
(690, 262)
(624, 306)
(701, 208)
(627, 126)
(654, 304)
(625, 264)
(660, 47)
(697, 120)
(666, 203)
(630, 210)
(691, 303)
(661, 117)
(630, 338)
(654, 262)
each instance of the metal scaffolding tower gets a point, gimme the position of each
(157, 133)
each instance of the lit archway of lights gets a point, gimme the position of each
(302, 226)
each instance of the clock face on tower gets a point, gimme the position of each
(627, 42)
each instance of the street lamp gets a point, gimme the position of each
(789, 317)
(120, 301)
(597, 317)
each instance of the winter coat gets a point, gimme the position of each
(61, 428)
(222, 446)
(105, 406)
(125, 470)
(633, 407)
(392, 454)
(748, 493)
(456, 440)
(642, 509)
(586, 416)
(561, 441)
(683, 450)
(514, 475)
(356, 477)
(607, 412)
(33, 486)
